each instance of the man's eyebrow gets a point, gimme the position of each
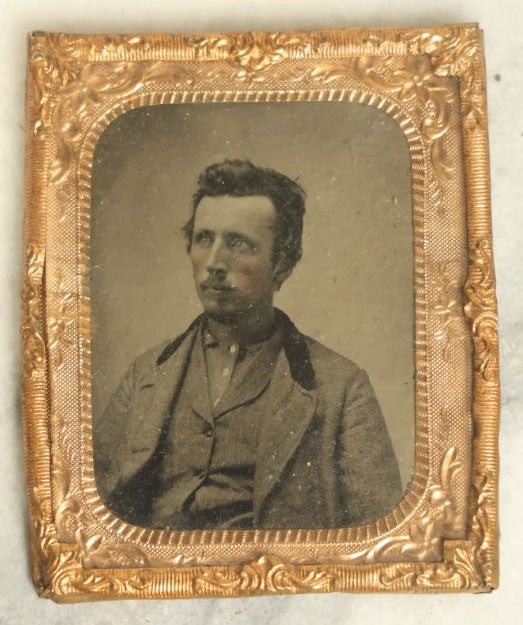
(240, 235)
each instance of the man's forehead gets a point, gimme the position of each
(226, 212)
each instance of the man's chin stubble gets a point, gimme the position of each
(238, 318)
(227, 318)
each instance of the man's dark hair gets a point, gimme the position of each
(241, 178)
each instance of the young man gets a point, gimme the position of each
(243, 422)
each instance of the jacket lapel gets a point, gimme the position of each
(290, 409)
(196, 383)
(157, 394)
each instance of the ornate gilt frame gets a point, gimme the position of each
(443, 535)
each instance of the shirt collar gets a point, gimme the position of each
(275, 340)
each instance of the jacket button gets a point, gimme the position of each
(208, 432)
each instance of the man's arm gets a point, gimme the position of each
(110, 435)
(371, 483)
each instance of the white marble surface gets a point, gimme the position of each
(504, 47)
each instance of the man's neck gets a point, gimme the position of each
(243, 329)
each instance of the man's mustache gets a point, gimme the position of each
(219, 285)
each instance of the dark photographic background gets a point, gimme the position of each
(353, 288)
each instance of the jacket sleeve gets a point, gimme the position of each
(110, 434)
(369, 474)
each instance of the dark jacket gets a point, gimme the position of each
(324, 457)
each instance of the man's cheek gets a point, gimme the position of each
(250, 270)
(199, 268)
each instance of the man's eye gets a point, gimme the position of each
(203, 238)
(237, 243)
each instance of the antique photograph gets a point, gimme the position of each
(259, 323)
(257, 227)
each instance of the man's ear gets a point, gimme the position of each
(281, 271)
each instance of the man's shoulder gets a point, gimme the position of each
(329, 365)
(315, 362)
(150, 357)
(157, 355)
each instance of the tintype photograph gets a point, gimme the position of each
(253, 316)
(259, 322)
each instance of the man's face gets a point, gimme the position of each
(231, 254)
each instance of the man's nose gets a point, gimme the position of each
(217, 262)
